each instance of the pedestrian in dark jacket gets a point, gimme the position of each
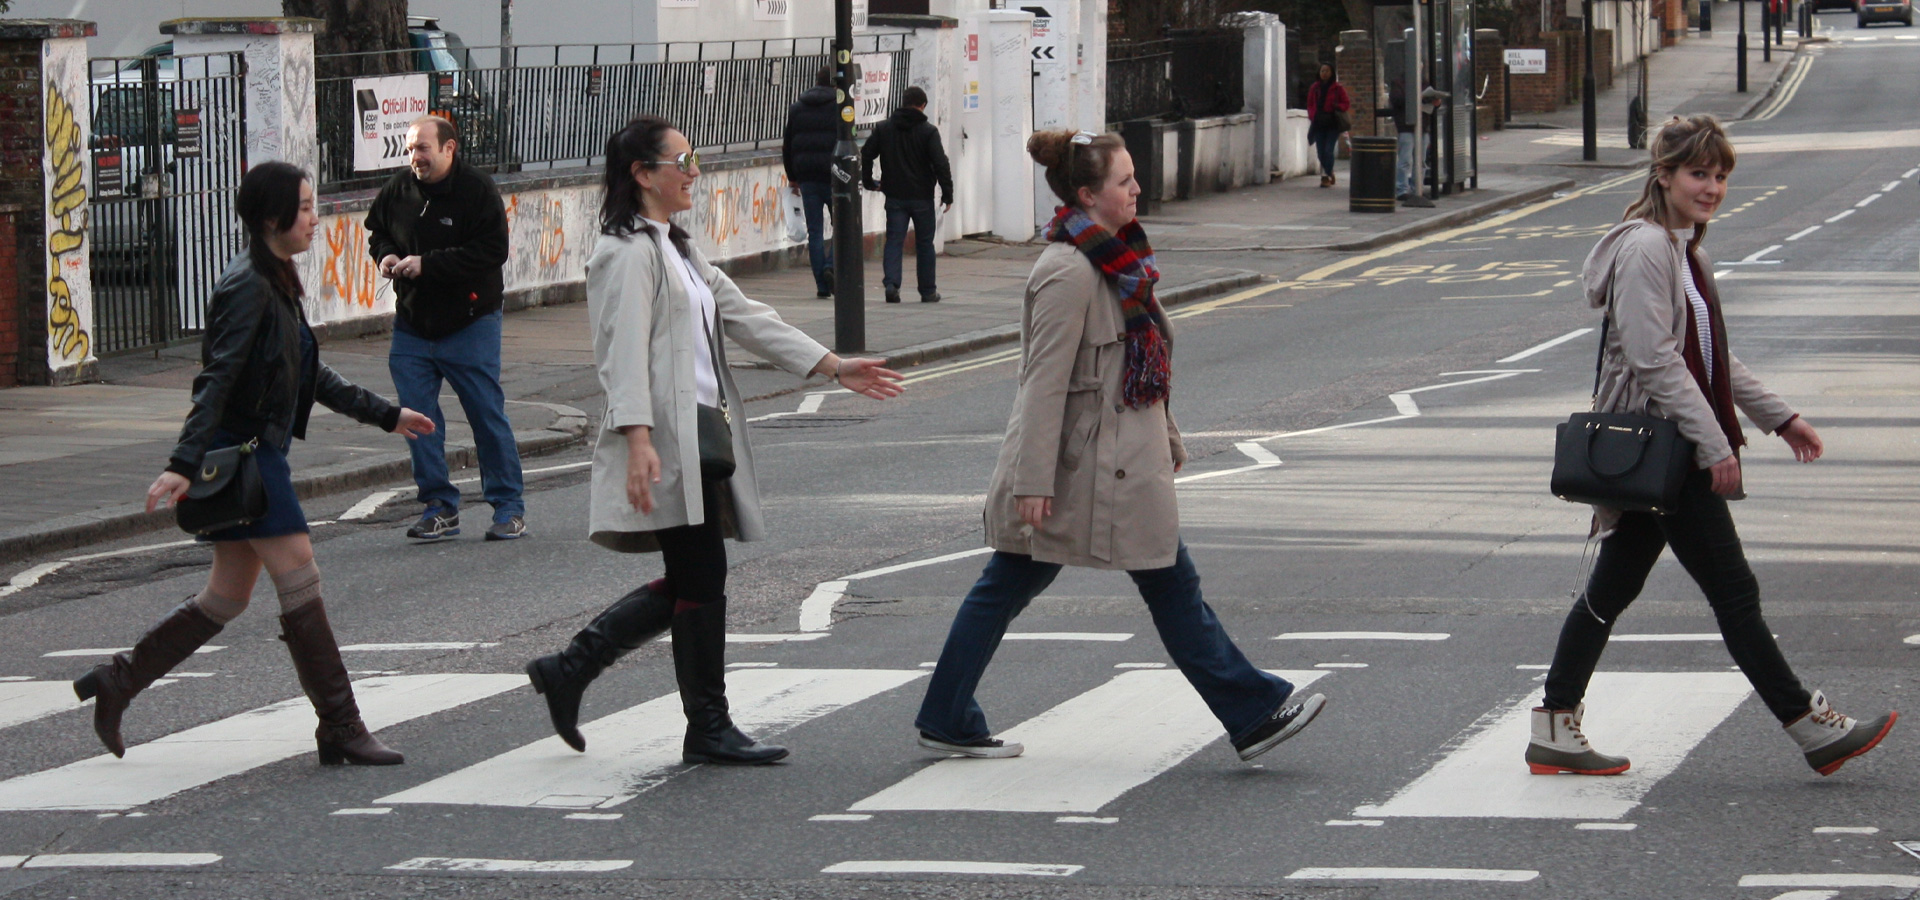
(813, 128)
(261, 374)
(439, 231)
(912, 161)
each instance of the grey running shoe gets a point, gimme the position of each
(1282, 725)
(984, 748)
(437, 523)
(1558, 747)
(513, 528)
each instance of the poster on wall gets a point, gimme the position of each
(382, 109)
(770, 10)
(970, 76)
(875, 93)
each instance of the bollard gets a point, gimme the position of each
(1370, 175)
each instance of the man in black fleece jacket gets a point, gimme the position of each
(813, 128)
(439, 231)
(912, 160)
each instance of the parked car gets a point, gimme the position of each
(1885, 11)
(1848, 5)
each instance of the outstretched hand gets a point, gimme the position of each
(869, 377)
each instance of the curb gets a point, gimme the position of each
(1778, 77)
(80, 530)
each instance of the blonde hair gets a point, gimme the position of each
(1692, 141)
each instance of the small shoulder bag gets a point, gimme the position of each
(715, 423)
(1625, 461)
(227, 492)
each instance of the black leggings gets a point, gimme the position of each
(696, 555)
(1703, 539)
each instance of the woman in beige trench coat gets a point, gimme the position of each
(658, 311)
(1085, 477)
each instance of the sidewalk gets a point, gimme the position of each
(75, 462)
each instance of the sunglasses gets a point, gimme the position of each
(685, 162)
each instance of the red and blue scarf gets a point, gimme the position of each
(1127, 258)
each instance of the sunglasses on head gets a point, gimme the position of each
(685, 162)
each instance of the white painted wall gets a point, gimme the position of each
(1008, 93)
(973, 163)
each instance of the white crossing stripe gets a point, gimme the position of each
(1905, 882)
(945, 867)
(109, 651)
(235, 744)
(1652, 718)
(1080, 756)
(1392, 873)
(25, 701)
(452, 864)
(634, 749)
(110, 860)
(1363, 636)
(1846, 829)
(1110, 636)
(418, 645)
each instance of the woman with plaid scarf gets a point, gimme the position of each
(1085, 477)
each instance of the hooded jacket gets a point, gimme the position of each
(813, 127)
(911, 158)
(458, 228)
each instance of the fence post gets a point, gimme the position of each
(279, 59)
(45, 170)
(1262, 55)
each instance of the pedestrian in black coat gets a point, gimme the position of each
(806, 148)
(912, 162)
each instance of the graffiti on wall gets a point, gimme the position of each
(349, 279)
(69, 286)
(739, 207)
(550, 235)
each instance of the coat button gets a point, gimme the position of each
(1120, 473)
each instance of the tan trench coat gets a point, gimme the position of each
(643, 347)
(1108, 468)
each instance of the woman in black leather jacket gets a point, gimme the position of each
(261, 375)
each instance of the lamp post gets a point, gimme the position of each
(849, 276)
(1740, 72)
(1589, 106)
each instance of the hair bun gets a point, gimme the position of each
(1049, 148)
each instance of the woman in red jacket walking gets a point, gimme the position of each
(1327, 108)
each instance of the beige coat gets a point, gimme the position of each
(644, 349)
(1108, 468)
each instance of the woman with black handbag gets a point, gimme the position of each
(1666, 355)
(260, 378)
(672, 469)
(1329, 115)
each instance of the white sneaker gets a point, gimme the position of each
(984, 748)
(1829, 739)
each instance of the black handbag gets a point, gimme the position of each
(1624, 461)
(715, 423)
(227, 492)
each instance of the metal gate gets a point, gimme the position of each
(168, 150)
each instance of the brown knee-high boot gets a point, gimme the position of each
(342, 737)
(113, 684)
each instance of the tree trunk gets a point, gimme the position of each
(357, 26)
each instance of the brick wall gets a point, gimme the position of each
(1353, 65)
(1548, 92)
(23, 327)
(1489, 67)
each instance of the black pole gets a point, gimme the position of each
(849, 276)
(1506, 91)
(1740, 72)
(1589, 105)
(1766, 30)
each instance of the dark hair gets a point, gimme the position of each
(643, 140)
(268, 202)
(1072, 166)
(444, 129)
(913, 96)
(824, 77)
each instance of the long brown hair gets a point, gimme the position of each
(1073, 165)
(1693, 141)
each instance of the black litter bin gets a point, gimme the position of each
(1370, 178)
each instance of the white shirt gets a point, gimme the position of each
(1702, 322)
(706, 384)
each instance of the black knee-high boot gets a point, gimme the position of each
(700, 665)
(563, 677)
(113, 684)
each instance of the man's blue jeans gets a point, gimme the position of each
(469, 360)
(1241, 696)
(899, 213)
(814, 200)
(1405, 176)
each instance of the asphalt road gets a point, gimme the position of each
(1371, 436)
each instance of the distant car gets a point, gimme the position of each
(1885, 11)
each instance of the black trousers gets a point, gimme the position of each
(1702, 536)
(695, 556)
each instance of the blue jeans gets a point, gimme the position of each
(1405, 178)
(1325, 143)
(1240, 696)
(814, 199)
(899, 213)
(468, 359)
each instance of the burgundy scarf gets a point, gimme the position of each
(1719, 389)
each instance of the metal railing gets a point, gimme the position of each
(1208, 74)
(554, 106)
(1139, 80)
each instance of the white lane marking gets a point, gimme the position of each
(16, 677)
(368, 506)
(816, 612)
(29, 577)
(1846, 829)
(1217, 473)
(1753, 259)
(1842, 215)
(902, 567)
(1339, 665)
(1807, 895)
(1869, 199)
(1652, 718)
(1912, 640)
(1605, 826)
(1665, 638)
(1911, 172)
(840, 817)
(540, 471)
(132, 551)
(596, 817)
(1404, 405)
(1257, 453)
(1803, 233)
(1533, 667)
(109, 651)
(362, 811)
(1080, 756)
(1799, 880)
(452, 864)
(759, 637)
(235, 744)
(25, 701)
(945, 867)
(1541, 347)
(1362, 636)
(811, 403)
(1723, 273)
(1356, 823)
(1390, 873)
(1107, 636)
(638, 748)
(1139, 665)
(113, 860)
(418, 645)
(1889, 186)
(753, 665)
(1087, 820)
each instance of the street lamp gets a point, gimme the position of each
(1740, 71)
(1589, 110)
